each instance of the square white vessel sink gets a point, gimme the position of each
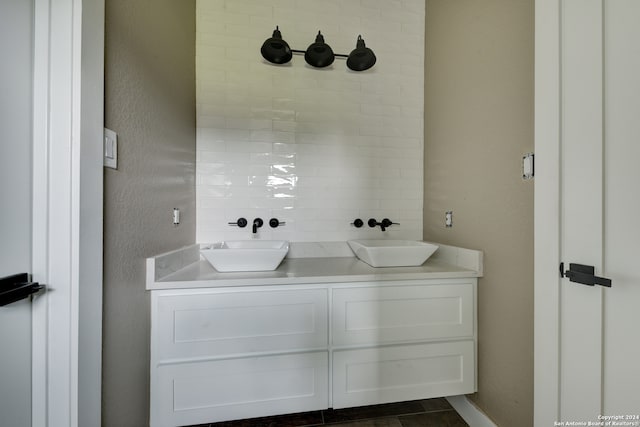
(392, 253)
(246, 255)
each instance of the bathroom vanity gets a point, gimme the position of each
(319, 332)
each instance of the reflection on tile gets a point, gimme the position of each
(283, 180)
(435, 419)
(439, 404)
(286, 169)
(301, 419)
(378, 422)
(363, 412)
(282, 195)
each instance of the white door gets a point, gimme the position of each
(16, 47)
(621, 364)
(587, 343)
(51, 111)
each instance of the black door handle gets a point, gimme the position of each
(583, 274)
(16, 287)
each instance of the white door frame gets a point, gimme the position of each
(546, 213)
(67, 211)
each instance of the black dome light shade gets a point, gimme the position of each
(276, 50)
(319, 54)
(361, 58)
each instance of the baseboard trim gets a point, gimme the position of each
(471, 414)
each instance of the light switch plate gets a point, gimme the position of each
(110, 149)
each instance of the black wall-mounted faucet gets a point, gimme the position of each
(384, 224)
(257, 223)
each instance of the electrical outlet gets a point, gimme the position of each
(448, 219)
(176, 216)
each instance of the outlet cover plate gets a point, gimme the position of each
(528, 166)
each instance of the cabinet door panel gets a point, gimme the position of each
(202, 392)
(234, 323)
(398, 373)
(391, 314)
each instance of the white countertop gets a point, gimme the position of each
(184, 269)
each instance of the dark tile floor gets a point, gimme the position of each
(419, 413)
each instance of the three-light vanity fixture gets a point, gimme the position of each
(318, 54)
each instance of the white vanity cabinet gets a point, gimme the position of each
(402, 341)
(225, 353)
(221, 354)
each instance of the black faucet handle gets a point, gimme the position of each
(275, 223)
(384, 224)
(357, 223)
(241, 222)
(387, 222)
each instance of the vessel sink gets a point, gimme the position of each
(246, 255)
(392, 253)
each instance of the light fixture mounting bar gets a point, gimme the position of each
(302, 52)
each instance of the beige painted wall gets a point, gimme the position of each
(150, 103)
(478, 124)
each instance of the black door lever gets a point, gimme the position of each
(17, 287)
(583, 274)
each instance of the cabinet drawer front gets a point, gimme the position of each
(399, 373)
(392, 314)
(234, 323)
(194, 393)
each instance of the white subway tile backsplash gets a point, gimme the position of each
(248, 7)
(284, 126)
(286, 4)
(316, 148)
